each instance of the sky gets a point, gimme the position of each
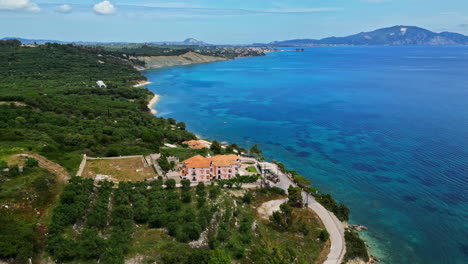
(221, 21)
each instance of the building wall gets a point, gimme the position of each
(197, 174)
(226, 172)
(210, 173)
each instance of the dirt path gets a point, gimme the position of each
(267, 208)
(60, 172)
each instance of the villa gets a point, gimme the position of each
(197, 144)
(205, 169)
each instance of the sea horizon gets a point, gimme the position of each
(368, 124)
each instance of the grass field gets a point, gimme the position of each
(125, 169)
(251, 169)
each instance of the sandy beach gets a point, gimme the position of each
(152, 102)
(141, 84)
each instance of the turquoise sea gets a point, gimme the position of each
(384, 129)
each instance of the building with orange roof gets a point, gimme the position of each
(196, 144)
(205, 169)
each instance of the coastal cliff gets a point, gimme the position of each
(154, 62)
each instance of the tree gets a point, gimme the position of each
(3, 164)
(171, 121)
(229, 149)
(186, 196)
(201, 189)
(216, 147)
(255, 150)
(170, 184)
(215, 190)
(32, 162)
(324, 235)
(164, 164)
(185, 185)
(90, 244)
(248, 197)
(181, 125)
(295, 196)
(192, 229)
(277, 218)
(201, 200)
(342, 212)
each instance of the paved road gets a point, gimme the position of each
(332, 224)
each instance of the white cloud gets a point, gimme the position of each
(104, 8)
(21, 5)
(63, 9)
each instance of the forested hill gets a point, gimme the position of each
(50, 103)
(396, 35)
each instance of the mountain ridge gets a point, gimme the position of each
(391, 36)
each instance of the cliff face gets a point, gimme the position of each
(153, 62)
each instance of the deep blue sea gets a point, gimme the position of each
(384, 129)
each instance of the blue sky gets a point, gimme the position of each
(221, 21)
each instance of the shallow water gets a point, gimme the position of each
(384, 129)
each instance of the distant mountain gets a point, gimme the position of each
(37, 41)
(192, 41)
(189, 41)
(396, 35)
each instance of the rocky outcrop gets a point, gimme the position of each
(154, 62)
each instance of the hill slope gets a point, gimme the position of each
(396, 35)
(61, 113)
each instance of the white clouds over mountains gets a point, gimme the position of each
(19, 5)
(104, 8)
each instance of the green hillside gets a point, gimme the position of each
(50, 103)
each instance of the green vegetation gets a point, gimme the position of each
(355, 247)
(65, 114)
(125, 50)
(157, 222)
(252, 169)
(299, 179)
(24, 199)
(341, 211)
(295, 196)
(50, 104)
(238, 180)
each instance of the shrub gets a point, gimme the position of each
(355, 247)
(32, 162)
(201, 189)
(295, 196)
(215, 191)
(218, 256)
(324, 235)
(170, 184)
(277, 190)
(248, 198)
(185, 185)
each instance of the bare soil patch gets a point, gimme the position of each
(124, 169)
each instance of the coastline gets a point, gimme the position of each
(152, 103)
(333, 226)
(140, 84)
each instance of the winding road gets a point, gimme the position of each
(332, 224)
